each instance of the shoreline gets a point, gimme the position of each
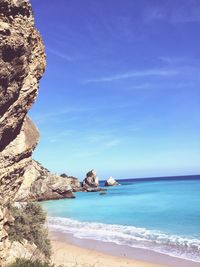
(69, 255)
(91, 253)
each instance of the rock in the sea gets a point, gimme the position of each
(102, 193)
(111, 182)
(91, 179)
(96, 189)
(22, 63)
(40, 184)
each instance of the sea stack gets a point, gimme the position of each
(111, 182)
(91, 179)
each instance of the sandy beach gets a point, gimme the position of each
(73, 256)
(70, 251)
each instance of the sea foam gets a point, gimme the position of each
(173, 245)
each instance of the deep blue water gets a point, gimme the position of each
(159, 214)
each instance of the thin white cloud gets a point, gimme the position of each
(75, 113)
(104, 140)
(84, 154)
(141, 86)
(131, 74)
(186, 13)
(54, 115)
(168, 85)
(173, 60)
(59, 54)
(61, 136)
(153, 13)
(181, 61)
(98, 138)
(112, 143)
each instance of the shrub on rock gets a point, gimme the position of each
(29, 225)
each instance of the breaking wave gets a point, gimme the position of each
(173, 245)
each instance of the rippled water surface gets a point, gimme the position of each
(162, 215)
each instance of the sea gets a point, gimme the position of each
(158, 214)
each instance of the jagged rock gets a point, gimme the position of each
(111, 182)
(51, 187)
(75, 183)
(91, 179)
(22, 63)
(40, 184)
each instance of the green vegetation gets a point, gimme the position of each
(30, 263)
(29, 225)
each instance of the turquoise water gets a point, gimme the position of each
(163, 216)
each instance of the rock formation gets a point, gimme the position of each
(40, 184)
(22, 64)
(111, 182)
(91, 179)
(23, 250)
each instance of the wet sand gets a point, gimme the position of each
(75, 252)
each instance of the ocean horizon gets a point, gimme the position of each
(156, 178)
(161, 214)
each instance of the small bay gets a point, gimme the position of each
(161, 215)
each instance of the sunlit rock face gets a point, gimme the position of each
(40, 184)
(22, 64)
(111, 182)
(91, 180)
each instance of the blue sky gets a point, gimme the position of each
(121, 92)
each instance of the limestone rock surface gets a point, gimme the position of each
(111, 182)
(40, 184)
(91, 179)
(23, 250)
(22, 63)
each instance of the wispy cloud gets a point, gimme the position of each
(112, 143)
(166, 85)
(153, 13)
(97, 137)
(141, 86)
(188, 12)
(105, 140)
(55, 115)
(179, 61)
(131, 74)
(173, 60)
(73, 113)
(60, 54)
(61, 136)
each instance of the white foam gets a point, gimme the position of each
(173, 245)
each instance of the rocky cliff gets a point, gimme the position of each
(40, 184)
(22, 64)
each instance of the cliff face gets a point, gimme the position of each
(22, 64)
(40, 184)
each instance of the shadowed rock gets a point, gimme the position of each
(22, 63)
(91, 179)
